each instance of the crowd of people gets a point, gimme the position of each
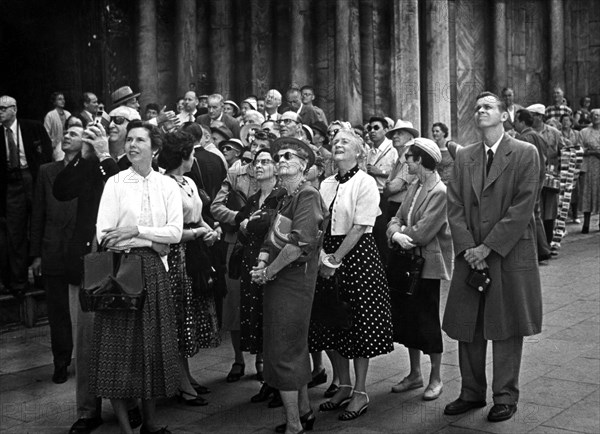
(282, 228)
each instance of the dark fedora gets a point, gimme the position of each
(122, 95)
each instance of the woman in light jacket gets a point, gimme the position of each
(421, 222)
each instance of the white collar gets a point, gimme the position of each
(494, 148)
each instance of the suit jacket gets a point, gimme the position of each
(497, 211)
(429, 227)
(529, 135)
(38, 151)
(85, 116)
(508, 123)
(308, 116)
(52, 222)
(84, 180)
(230, 122)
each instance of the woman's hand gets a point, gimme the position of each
(161, 249)
(115, 235)
(257, 274)
(403, 240)
(243, 225)
(325, 271)
(210, 238)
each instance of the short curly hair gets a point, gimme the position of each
(177, 146)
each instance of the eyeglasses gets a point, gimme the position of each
(285, 121)
(3, 108)
(263, 162)
(119, 120)
(246, 160)
(373, 128)
(287, 155)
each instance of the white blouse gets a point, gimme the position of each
(153, 204)
(356, 202)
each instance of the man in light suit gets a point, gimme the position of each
(491, 198)
(215, 114)
(24, 147)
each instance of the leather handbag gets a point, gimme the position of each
(112, 281)
(330, 310)
(404, 270)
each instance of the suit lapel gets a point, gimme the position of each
(427, 187)
(476, 169)
(500, 162)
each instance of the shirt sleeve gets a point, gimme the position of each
(367, 203)
(307, 220)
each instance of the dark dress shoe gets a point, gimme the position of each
(307, 421)
(264, 393)
(276, 401)
(460, 406)
(86, 425)
(61, 374)
(135, 417)
(201, 390)
(192, 400)
(235, 374)
(320, 378)
(500, 412)
(331, 390)
(163, 430)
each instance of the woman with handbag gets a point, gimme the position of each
(254, 220)
(287, 266)
(197, 325)
(134, 352)
(421, 222)
(351, 258)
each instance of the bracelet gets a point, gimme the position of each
(327, 262)
(264, 273)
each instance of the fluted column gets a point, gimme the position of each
(262, 46)
(500, 52)
(348, 100)
(406, 83)
(221, 45)
(147, 65)
(185, 43)
(557, 43)
(438, 65)
(301, 61)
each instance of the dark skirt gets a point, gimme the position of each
(196, 315)
(416, 318)
(286, 315)
(363, 284)
(134, 353)
(251, 302)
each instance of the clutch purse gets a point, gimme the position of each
(280, 231)
(479, 280)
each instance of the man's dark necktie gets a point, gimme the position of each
(490, 160)
(13, 151)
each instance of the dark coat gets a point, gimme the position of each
(498, 212)
(38, 151)
(52, 222)
(230, 122)
(84, 180)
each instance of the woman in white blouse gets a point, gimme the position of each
(135, 353)
(351, 258)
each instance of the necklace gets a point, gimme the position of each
(182, 183)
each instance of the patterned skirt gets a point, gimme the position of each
(197, 325)
(134, 353)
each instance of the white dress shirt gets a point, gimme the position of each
(18, 141)
(384, 158)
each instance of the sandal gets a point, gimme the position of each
(330, 405)
(350, 415)
(232, 377)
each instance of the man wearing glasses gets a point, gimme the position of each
(290, 125)
(25, 146)
(117, 133)
(381, 158)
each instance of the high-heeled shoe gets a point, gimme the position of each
(232, 377)
(320, 378)
(307, 421)
(195, 401)
(163, 430)
(350, 415)
(330, 405)
(331, 390)
(264, 394)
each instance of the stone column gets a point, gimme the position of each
(147, 65)
(262, 46)
(221, 45)
(500, 52)
(438, 65)
(406, 83)
(185, 43)
(348, 99)
(557, 44)
(301, 61)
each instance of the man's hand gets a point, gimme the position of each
(374, 171)
(95, 136)
(166, 116)
(403, 240)
(115, 235)
(36, 266)
(161, 249)
(477, 254)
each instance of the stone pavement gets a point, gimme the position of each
(560, 376)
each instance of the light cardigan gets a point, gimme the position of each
(121, 205)
(356, 202)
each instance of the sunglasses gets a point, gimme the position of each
(226, 148)
(408, 154)
(285, 121)
(373, 128)
(3, 108)
(119, 120)
(287, 155)
(246, 160)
